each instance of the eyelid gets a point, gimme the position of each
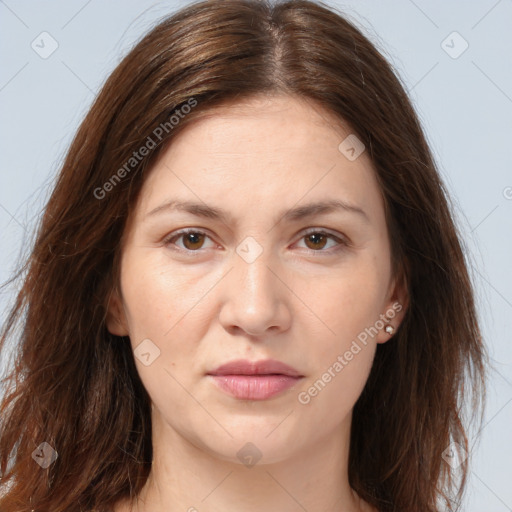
(342, 241)
(342, 238)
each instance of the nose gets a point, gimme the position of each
(256, 300)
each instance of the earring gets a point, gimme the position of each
(389, 329)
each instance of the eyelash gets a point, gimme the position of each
(341, 242)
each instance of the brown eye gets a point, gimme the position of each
(193, 240)
(317, 240)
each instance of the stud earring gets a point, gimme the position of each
(389, 329)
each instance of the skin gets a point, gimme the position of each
(300, 301)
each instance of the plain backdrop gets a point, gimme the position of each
(454, 59)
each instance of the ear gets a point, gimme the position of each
(116, 317)
(394, 309)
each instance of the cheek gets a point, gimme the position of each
(156, 295)
(152, 306)
(157, 306)
(350, 305)
(168, 307)
(331, 394)
(346, 302)
(342, 357)
(148, 304)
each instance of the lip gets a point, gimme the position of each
(255, 380)
(262, 367)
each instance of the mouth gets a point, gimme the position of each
(257, 380)
(254, 387)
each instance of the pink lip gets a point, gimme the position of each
(257, 380)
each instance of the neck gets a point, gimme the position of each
(189, 477)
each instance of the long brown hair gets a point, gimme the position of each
(75, 386)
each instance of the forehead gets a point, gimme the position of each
(262, 153)
(267, 123)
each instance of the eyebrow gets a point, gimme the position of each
(292, 215)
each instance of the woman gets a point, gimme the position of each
(247, 290)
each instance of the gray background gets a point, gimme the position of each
(465, 104)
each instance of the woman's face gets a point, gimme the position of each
(256, 279)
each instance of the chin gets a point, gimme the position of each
(250, 446)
